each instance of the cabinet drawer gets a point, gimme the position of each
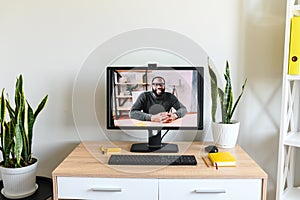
(212, 189)
(107, 188)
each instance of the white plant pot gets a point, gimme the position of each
(225, 135)
(19, 182)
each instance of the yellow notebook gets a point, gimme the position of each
(222, 159)
(294, 57)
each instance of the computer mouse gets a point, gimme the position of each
(211, 149)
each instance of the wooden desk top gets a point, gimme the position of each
(88, 161)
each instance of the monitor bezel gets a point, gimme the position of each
(200, 97)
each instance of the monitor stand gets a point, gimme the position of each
(154, 145)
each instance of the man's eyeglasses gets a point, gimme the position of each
(158, 84)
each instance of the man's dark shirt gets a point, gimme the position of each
(148, 104)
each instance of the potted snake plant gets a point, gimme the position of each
(225, 132)
(18, 168)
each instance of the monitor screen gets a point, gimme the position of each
(155, 98)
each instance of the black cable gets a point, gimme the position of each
(164, 135)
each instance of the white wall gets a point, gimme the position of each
(49, 42)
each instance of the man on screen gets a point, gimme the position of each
(156, 105)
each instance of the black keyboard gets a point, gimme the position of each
(152, 160)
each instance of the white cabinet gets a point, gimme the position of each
(107, 188)
(212, 189)
(158, 189)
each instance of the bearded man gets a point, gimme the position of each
(156, 105)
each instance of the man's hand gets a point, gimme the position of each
(159, 117)
(173, 116)
(164, 117)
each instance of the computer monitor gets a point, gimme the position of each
(155, 98)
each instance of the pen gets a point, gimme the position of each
(216, 166)
(205, 161)
(102, 149)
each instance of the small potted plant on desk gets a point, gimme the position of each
(18, 168)
(225, 133)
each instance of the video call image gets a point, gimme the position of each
(153, 98)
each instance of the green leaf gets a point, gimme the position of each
(238, 99)
(227, 102)
(11, 111)
(2, 107)
(19, 95)
(19, 139)
(6, 144)
(213, 92)
(41, 106)
(30, 122)
(221, 97)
